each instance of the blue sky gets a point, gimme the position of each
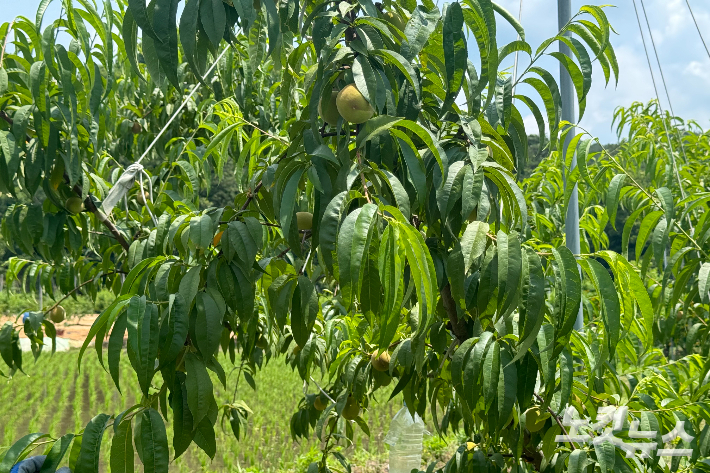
(685, 63)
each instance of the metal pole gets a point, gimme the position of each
(564, 14)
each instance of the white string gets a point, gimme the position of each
(184, 102)
(515, 65)
(150, 196)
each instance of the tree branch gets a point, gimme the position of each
(76, 289)
(554, 416)
(91, 207)
(458, 326)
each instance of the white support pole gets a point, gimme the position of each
(564, 13)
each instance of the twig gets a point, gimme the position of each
(333, 133)
(10, 121)
(458, 326)
(4, 43)
(557, 419)
(251, 195)
(94, 232)
(76, 289)
(454, 342)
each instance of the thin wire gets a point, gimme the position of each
(653, 80)
(184, 102)
(515, 65)
(698, 28)
(663, 79)
(653, 43)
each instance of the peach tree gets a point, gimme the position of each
(379, 234)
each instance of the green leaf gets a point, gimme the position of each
(201, 231)
(532, 305)
(458, 360)
(640, 294)
(606, 455)
(612, 196)
(659, 241)
(208, 326)
(56, 454)
(647, 225)
(6, 344)
(420, 26)
(129, 33)
(214, 20)
(148, 331)
(491, 373)
(188, 35)
(473, 242)
(450, 190)
(566, 376)
(538, 118)
(193, 180)
(189, 285)
(182, 418)
(12, 455)
(164, 17)
(549, 93)
(569, 290)
(545, 342)
(89, 455)
(423, 273)
(122, 449)
(510, 19)
(577, 462)
(455, 52)
(154, 442)
(353, 243)
(704, 283)
(611, 309)
(3, 80)
(365, 80)
(178, 323)
(304, 310)
(473, 368)
(328, 228)
(115, 347)
(509, 271)
(200, 393)
(507, 387)
(140, 14)
(667, 204)
(102, 320)
(454, 272)
(391, 267)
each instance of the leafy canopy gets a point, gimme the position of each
(422, 244)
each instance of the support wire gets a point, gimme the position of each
(653, 80)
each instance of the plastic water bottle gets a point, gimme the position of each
(405, 441)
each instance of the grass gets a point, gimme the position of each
(56, 398)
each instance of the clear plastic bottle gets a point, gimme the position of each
(405, 440)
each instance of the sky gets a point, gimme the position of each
(685, 63)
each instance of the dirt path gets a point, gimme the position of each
(74, 329)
